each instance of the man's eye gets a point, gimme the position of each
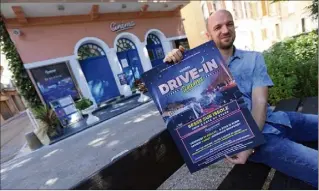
(217, 28)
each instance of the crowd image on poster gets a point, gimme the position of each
(202, 107)
(54, 82)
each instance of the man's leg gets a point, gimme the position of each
(304, 127)
(288, 157)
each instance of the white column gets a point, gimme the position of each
(80, 78)
(117, 69)
(143, 54)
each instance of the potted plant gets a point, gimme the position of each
(83, 104)
(49, 124)
(141, 88)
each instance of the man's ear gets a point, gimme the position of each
(209, 37)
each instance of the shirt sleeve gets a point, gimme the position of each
(260, 74)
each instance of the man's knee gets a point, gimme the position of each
(302, 119)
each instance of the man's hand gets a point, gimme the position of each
(240, 158)
(175, 56)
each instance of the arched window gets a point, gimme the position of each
(153, 39)
(89, 50)
(124, 44)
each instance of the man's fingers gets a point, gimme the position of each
(227, 161)
(170, 55)
(179, 53)
(234, 161)
(181, 48)
(167, 59)
(177, 56)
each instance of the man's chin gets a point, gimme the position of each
(226, 46)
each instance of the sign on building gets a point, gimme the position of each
(117, 27)
(54, 82)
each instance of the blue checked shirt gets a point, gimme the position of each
(249, 71)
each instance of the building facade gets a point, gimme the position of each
(259, 24)
(93, 50)
(10, 100)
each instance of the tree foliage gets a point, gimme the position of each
(313, 8)
(293, 66)
(20, 76)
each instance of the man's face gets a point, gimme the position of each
(221, 30)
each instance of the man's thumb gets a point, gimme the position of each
(181, 48)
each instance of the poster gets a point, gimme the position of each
(54, 82)
(122, 78)
(100, 78)
(202, 107)
(124, 63)
(66, 111)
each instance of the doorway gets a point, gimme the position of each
(155, 50)
(98, 73)
(5, 110)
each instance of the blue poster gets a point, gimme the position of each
(54, 82)
(122, 78)
(100, 78)
(202, 107)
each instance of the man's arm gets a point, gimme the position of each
(261, 82)
(259, 105)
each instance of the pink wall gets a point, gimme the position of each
(48, 42)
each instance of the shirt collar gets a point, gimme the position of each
(237, 53)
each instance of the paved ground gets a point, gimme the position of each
(61, 165)
(12, 136)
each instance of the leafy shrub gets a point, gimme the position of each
(293, 66)
(48, 118)
(84, 103)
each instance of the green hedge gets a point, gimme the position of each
(293, 66)
(20, 75)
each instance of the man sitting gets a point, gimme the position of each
(282, 130)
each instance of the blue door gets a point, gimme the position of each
(130, 60)
(155, 50)
(99, 76)
(127, 69)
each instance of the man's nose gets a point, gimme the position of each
(225, 29)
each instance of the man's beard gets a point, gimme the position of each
(228, 45)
